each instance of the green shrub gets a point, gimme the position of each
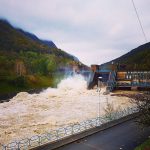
(144, 146)
(20, 81)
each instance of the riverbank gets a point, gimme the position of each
(8, 96)
(9, 87)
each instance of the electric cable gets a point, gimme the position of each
(140, 23)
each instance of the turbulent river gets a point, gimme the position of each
(26, 114)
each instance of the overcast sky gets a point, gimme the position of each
(95, 31)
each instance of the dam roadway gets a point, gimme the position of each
(124, 136)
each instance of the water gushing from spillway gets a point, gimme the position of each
(27, 114)
(72, 84)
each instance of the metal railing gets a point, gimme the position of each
(67, 131)
(139, 84)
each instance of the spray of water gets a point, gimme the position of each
(68, 86)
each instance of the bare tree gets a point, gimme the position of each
(143, 104)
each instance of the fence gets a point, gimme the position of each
(69, 130)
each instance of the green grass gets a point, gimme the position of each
(7, 88)
(144, 146)
(32, 82)
(39, 81)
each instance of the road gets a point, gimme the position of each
(125, 136)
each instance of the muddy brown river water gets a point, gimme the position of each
(26, 114)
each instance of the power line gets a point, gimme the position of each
(139, 20)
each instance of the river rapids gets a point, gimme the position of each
(27, 114)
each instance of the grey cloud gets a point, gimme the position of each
(91, 28)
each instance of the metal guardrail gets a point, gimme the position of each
(67, 131)
(146, 84)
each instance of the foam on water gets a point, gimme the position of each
(27, 114)
(73, 84)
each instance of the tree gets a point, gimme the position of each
(51, 64)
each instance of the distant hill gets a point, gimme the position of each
(14, 39)
(28, 62)
(137, 59)
(50, 44)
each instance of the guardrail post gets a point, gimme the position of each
(49, 136)
(79, 127)
(72, 131)
(57, 134)
(99, 120)
(39, 140)
(18, 145)
(29, 141)
(65, 131)
(4, 147)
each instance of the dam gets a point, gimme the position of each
(115, 77)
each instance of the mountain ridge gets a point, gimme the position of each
(136, 59)
(26, 40)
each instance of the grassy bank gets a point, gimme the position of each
(28, 82)
(144, 146)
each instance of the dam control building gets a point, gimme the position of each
(116, 76)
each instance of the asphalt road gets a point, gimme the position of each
(125, 136)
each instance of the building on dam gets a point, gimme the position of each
(118, 77)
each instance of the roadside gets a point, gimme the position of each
(125, 136)
(144, 146)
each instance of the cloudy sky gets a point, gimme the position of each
(95, 31)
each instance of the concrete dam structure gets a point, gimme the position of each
(119, 78)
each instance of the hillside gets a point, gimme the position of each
(13, 39)
(137, 59)
(27, 62)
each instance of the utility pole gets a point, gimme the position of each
(99, 90)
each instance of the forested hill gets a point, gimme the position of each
(137, 59)
(14, 39)
(28, 62)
